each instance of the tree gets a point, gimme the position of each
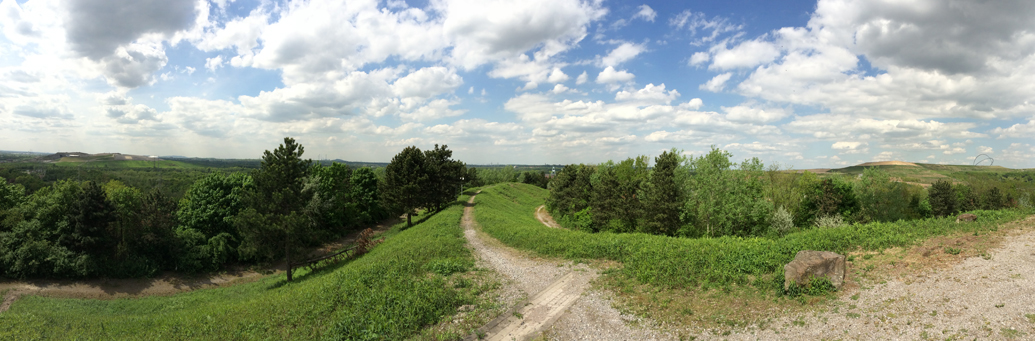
(404, 177)
(993, 199)
(722, 200)
(275, 215)
(365, 194)
(443, 177)
(881, 199)
(662, 197)
(942, 199)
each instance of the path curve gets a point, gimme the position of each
(555, 296)
(545, 217)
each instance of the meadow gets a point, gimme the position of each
(506, 212)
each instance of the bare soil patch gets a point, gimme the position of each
(887, 163)
(544, 217)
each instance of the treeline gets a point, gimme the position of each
(712, 196)
(75, 229)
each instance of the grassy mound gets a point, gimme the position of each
(389, 293)
(507, 212)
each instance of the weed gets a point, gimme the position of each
(855, 297)
(934, 313)
(1010, 333)
(1000, 305)
(519, 315)
(867, 256)
(1031, 317)
(853, 315)
(953, 250)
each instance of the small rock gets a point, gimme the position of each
(966, 217)
(808, 264)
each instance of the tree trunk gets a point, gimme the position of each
(409, 223)
(287, 256)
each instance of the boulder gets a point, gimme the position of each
(966, 217)
(808, 264)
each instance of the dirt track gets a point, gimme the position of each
(559, 301)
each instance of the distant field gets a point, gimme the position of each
(65, 162)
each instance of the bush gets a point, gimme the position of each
(782, 221)
(830, 221)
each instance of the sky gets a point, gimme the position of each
(803, 84)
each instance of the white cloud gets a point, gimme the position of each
(582, 78)
(213, 63)
(846, 145)
(985, 150)
(650, 94)
(745, 55)
(646, 13)
(1020, 130)
(610, 75)
(748, 113)
(717, 83)
(699, 58)
(427, 82)
(623, 53)
(559, 89)
(710, 29)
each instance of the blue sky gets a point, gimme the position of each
(806, 84)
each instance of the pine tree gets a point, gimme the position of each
(662, 196)
(404, 177)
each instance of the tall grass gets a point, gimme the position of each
(506, 212)
(388, 293)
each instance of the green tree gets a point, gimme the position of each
(942, 199)
(993, 199)
(723, 200)
(275, 216)
(158, 229)
(881, 199)
(663, 197)
(404, 177)
(443, 177)
(365, 194)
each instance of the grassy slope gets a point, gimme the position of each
(507, 213)
(386, 294)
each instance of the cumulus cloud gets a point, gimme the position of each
(745, 55)
(427, 82)
(650, 94)
(623, 53)
(96, 28)
(646, 13)
(748, 113)
(610, 75)
(717, 83)
(582, 78)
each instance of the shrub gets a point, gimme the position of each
(942, 199)
(782, 221)
(830, 221)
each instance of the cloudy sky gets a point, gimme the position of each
(803, 83)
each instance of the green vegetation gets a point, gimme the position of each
(712, 196)
(408, 282)
(74, 229)
(506, 212)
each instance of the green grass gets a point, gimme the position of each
(401, 286)
(506, 212)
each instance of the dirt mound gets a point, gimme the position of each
(887, 163)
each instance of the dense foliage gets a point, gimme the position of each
(429, 179)
(712, 196)
(76, 229)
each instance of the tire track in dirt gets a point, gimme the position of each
(561, 304)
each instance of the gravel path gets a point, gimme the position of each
(553, 298)
(979, 298)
